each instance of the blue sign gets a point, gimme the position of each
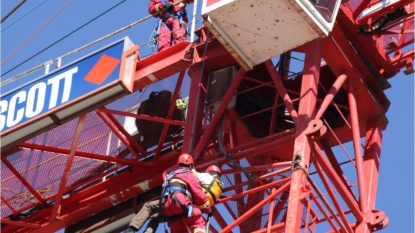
(60, 87)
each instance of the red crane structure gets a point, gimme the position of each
(300, 150)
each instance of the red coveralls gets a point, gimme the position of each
(195, 222)
(170, 22)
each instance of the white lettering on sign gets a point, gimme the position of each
(31, 103)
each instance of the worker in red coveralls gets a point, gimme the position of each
(181, 209)
(173, 17)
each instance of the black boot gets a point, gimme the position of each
(129, 230)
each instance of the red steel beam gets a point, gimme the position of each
(307, 215)
(8, 205)
(254, 190)
(162, 65)
(251, 151)
(92, 200)
(271, 211)
(59, 195)
(306, 111)
(142, 117)
(218, 114)
(371, 162)
(274, 228)
(170, 113)
(357, 146)
(83, 154)
(279, 207)
(121, 128)
(100, 205)
(360, 8)
(281, 90)
(23, 180)
(326, 203)
(19, 223)
(348, 198)
(335, 164)
(264, 144)
(239, 183)
(219, 219)
(324, 212)
(258, 168)
(383, 11)
(257, 207)
(333, 198)
(194, 110)
(342, 58)
(406, 25)
(330, 95)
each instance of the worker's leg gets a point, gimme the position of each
(154, 218)
(144, 214)
(178, 226)
(179, 31)
(196, 222)
(152, 225)
(165, 35)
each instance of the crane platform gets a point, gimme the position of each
(299, 149)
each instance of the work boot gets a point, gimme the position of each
(129, 230)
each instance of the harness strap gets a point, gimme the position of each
(186, 210)
(171, 218)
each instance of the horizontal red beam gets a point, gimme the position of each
(258, 168)
(162, 65)
(92, 200)
(19, 223)
(82, 154)
(254, 190)
(142, 117)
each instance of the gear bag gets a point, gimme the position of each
(157, 105)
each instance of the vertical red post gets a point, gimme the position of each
(56, 208)
(357, 146)
(218, 114)
(308, 98)
(270, 212)
(371, 162)
(194, 110)
(169, 113)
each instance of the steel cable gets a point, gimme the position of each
(64, 37)
(23, 16)
(40, 28)
(13, 10)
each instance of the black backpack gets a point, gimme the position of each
(157, 105)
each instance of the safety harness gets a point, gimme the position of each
(173, 186)
(181, 15)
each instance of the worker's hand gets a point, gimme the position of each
(210, 214)
(207, 209)
(168, 5)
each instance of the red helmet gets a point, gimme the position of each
(185, 159)
(214, 168)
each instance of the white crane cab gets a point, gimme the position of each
(254, 31)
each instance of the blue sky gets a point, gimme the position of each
(396, 181)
